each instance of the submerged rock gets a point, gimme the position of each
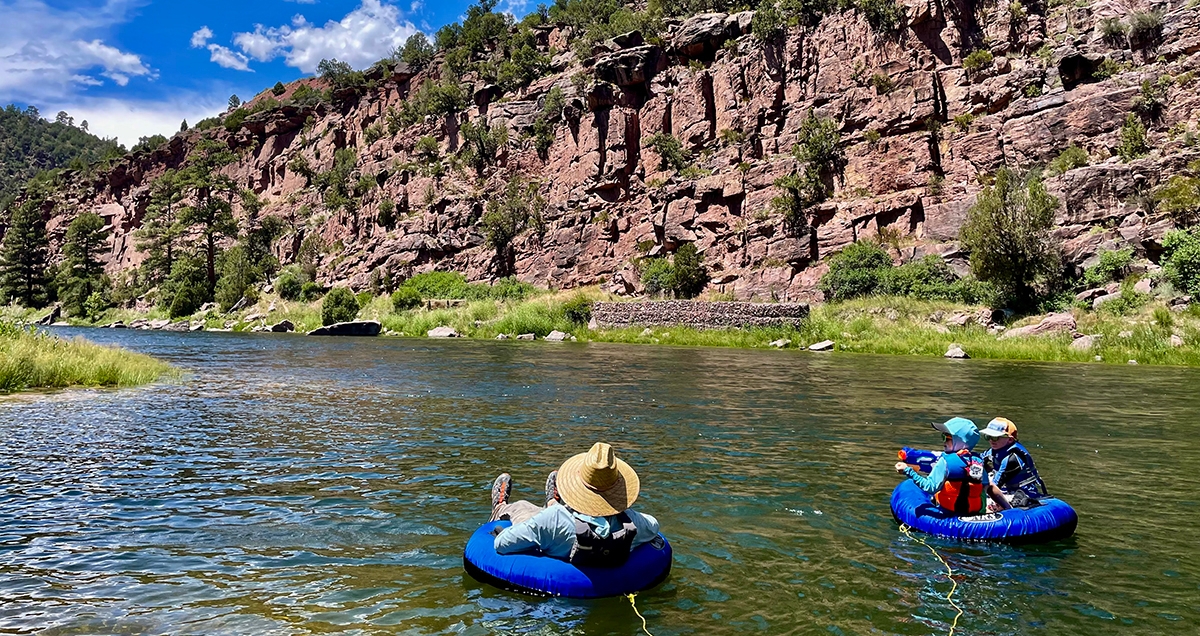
(365, 328)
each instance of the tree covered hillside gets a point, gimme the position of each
(30, 144)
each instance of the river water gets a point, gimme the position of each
(291, 485)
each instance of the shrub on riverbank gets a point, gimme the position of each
(30, 359)
(339, 305)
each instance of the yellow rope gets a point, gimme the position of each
(639, 614)
(949, 575)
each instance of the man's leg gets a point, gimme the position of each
(516, 512)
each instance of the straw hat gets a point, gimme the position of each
(596, 483)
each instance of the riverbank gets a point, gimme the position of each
(1149, 332)
(31, 359)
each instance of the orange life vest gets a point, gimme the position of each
(962, 491)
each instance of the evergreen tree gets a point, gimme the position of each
(24, 258)
(83, 271)
(212, 210)
(160, 229)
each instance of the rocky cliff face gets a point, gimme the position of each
(913, 171)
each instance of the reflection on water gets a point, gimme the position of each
(291, 486)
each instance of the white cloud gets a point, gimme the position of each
(201, 37)
(362, 37)
(228, 58)
(47, 52)
(128, 120)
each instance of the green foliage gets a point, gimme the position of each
(672, 155)
(387, 214)
(238, 275)
(1070, 158)
(82, 270)
(1179, 197)
(335, 184)
(289, 284)
(208, 123)
(1133, 139)
(234, 102)
(341, 76)
(339, 305)
(186, 289)
(1108, 68)
(305, 96)
(1113, 267)
(1149, 102)
(865, 269)
(544, 126)
(233, 121)
(854, 271)
(278, 89)
(160, 231)
(482, 145)
(311, 291)
(146, 144)
(520, 208)
(1145, 29)
(210, 215)
(578, 310)
(417, 51)
(820, 158)
(406, 298)
(685, 276)
(1113, 31)
(769, 22)
(1033, 90)
(373, 133)
(30, 144)
(1007, 234)
(1181, 260)
(964, 121)
(523, 63)
(882, 83)
(885, 16)
(25, 257)
(977, 61)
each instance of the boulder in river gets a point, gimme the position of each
(365, 328)
(443, 332)
(283, 326)
(181, 326)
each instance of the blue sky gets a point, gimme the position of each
(137, 67)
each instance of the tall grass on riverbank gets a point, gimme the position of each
(31, 359)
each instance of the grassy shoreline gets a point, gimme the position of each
(30, 359)
(881, 325)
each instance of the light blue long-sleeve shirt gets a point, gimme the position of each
(932, 482)
(552, 531)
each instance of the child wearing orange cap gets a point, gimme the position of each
(1009, 463)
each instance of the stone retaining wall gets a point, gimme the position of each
(699, 314)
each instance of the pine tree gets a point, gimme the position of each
(160, 227)
(212, 212)
(83, 270)
(24, 258)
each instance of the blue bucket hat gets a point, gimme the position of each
(960, 428)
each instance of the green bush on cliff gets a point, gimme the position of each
(884, 16)
(339, 305)
(865, 269)
(1113, 266)
(1133, 139)
(1179, 198)
(1181, 260)
(1069, 159)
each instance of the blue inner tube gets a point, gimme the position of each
(1052, 519)
(530, 573)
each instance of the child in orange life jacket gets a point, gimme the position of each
(957, 480)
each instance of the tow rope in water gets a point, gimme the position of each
(639, 614)
(949, 574)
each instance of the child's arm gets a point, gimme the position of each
(932, 482)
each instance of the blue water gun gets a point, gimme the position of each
(922, 460)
